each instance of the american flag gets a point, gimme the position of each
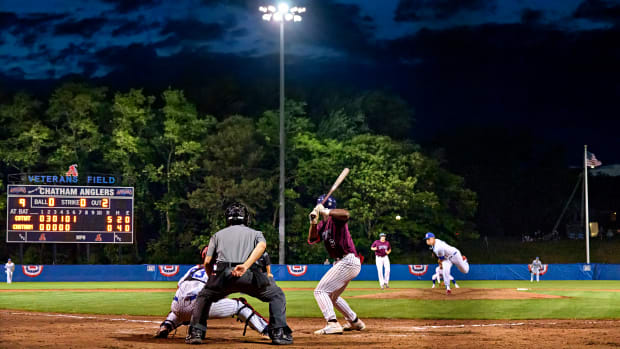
(592, 161)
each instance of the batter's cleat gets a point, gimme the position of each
(382, 287)
(358, 325)
(448, 292)
(281, 336)
(331, 328)
(163, 331)
(433, 286)
(457, 286)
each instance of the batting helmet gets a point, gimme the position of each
(330, 203)
(237, 213)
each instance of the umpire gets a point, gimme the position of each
(235, 250)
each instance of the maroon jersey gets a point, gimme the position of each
(336, 237)
(382, 248)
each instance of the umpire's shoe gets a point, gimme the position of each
(194, 336)
(281, 336)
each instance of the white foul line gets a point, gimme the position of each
(431, 327)
(87, 317)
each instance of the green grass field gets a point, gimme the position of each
(584, 300)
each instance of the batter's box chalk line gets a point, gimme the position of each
(89, 317)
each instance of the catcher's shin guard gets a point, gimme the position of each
(247, 321)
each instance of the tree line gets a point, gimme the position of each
(187, 165)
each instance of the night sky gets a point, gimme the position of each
(550, 66)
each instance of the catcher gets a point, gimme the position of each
(185, 299)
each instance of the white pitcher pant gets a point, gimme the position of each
(383, 263)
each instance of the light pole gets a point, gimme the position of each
(283, 13)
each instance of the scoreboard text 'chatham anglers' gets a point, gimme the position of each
(69, 214)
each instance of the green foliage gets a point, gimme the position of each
(79, 112)
(23, 135)
(387, 178)
(187, 166)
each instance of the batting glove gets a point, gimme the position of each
(314, 216)
(322, 210)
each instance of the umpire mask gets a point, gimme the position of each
(236, 214)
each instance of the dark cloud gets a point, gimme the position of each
(125, 6)
(247, 4)
(512, 74)
(341, 27)
(29, 39)
(7, 20)
(72, 51)
(529, 16)
(16, 73)
(27, 28)
(239, 32)
(29, 21)
(132, 56)
(599, 10)
(84, 27)
(416, 10)
(194, 30)
(134, 27)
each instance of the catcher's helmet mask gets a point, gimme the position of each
(236, 213)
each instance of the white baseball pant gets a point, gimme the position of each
(383, 262)
(9, 276)
(439, 277)
(457, 259)
(181, 312)
(333, 283)
(537, 272)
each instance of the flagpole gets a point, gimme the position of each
(585, 178)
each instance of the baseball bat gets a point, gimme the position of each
(336, 184)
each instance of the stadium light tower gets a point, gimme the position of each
(282, 13)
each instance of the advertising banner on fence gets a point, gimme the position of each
(314, 272)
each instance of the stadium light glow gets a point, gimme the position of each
(281, 13)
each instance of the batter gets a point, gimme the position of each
(334, 232)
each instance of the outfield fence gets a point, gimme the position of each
(313, 272)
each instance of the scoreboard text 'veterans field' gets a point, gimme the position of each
(69, 214)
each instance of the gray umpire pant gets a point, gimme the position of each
(253, 282)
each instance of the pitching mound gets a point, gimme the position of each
(44, 330)
(457, 294)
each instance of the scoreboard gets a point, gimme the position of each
(69, 214)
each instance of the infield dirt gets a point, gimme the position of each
(46, 330)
